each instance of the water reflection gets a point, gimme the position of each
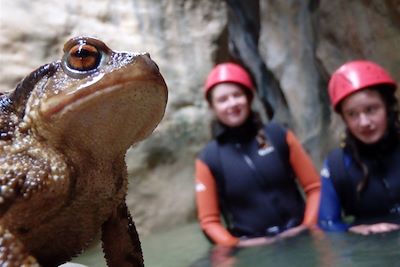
(186, 247)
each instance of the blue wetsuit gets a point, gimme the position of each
(380, 199)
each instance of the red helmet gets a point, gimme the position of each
(354, 76)
(228, 72)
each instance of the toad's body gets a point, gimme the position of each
(64, 132)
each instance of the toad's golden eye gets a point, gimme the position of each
(83, 57)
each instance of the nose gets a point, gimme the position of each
(232, 101)
(364, 120)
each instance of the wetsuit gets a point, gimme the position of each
(253, 188)
(379, 201)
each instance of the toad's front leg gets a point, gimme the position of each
(12, 251)
(121, 244)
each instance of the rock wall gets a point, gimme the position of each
(290, 47)
(293, 46)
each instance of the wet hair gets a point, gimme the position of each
(352, 144)
(261, 137)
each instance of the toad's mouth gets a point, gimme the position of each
(132, 79)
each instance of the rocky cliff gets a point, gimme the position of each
(290, 47)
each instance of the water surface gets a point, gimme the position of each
(187, 247)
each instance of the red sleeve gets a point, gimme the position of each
(307, 176)
(208, 209)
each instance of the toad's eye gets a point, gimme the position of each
(83, 57)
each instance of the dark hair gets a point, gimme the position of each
(352, 144)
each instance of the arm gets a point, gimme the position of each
(376, 228)
(208, 208)
(209, 213)
(307, 177)
(330, 210)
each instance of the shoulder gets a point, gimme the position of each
(210, 147)
(275, 126)
(209, 151)
(336, 164)
(334, 153)
(276, 133)
(333, 156)
(326, 170)
(338, 156)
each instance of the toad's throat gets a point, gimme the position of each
(101, 85)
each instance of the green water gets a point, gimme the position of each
(186, 247)
(175, 248)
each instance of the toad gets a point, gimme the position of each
(64, 133)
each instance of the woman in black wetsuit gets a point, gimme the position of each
(247, 173)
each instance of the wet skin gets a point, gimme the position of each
(230, 104)
(365, 115)
(64, 133)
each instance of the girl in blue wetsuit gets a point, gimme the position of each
(362, 177)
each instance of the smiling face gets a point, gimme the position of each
(230, 104)
(365, 115)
